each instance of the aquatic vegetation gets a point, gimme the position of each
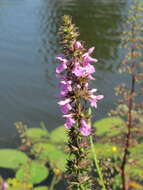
(106, 155)
(42, 158)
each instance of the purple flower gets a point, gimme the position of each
(65, 108)
(65, 87)
(78, 70)
(69, 120)
(93, 100)
(60, 68)
(63, 65)
(78, 45)
(4, 186)
(89, 69)
(87, 58)
(63, 102)
(81, 71)
(85, 128)
(78, 73)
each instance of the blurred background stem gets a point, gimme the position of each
(97, 164)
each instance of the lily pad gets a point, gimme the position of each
(49, 152)
(105, 150)
(110, 126)
(41, 188)
(32, 173)
(12, 159)
(59, 135)
(36, 134)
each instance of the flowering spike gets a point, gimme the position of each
(75, 72)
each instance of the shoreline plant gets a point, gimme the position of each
(131, 65)
(75, 72)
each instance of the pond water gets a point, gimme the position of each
(29, 44)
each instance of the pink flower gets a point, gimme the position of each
(81, 71)
(63, 65)
(76, 75)
(60, 68)
(85, 128)
(93, 100)
(87, 58)
(61, 58)
(65, 106)
(4, 186)
(78, 45)
(92, 91)
(69, 120)
(63, 102)
(78, 70)
(89, 69)
(65, 87)
(90, 77)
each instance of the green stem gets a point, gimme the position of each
(96, 164)
(82, 187)
(53, 183)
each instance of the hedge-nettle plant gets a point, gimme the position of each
(75, 71)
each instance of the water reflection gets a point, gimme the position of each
(29, 43)
(100, 24)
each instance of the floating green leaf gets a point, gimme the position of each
(110, 126)
(49, 152)
(59, 135)
(135, 171)
(32, 173)
(41, 188)
(36, 134)
(14, 184)
(106, 150)
(12, 159)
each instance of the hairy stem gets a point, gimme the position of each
(53, 183)
(97, 165)
(78, 164)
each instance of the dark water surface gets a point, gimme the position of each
(28, 45)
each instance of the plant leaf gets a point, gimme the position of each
(13, 159)
(36, 134)
(59, 135)
(110, 126)
(41, 188)
(32, 173)
(48, 152)
(106, 150)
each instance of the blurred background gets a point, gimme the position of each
(29, 44)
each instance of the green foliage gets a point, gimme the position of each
(14, 184)
(109, 126)
(41, 188)
(48, 152)
(136, 172)
(136, 152)
(32, 173)
(59, 135)
(12, 159)
(36, 134)
(135, 164)
(106, 150)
